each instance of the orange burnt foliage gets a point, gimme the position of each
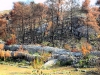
(3, 32)
(85, 5)
(1, 46)
(2, 53)
(21, 50)
(11, 40)
(48, 28)
(86, 48)
(92, 14)
(5, 54)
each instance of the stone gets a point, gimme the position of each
(55, 56)
(2, 42)
(96, 53)
(50, 63)
(83, 70)
(77, 54)
(76, 69)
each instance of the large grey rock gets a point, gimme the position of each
(55, 51)
(50, 63)
(13, 48)
(96, 53)
(55, 56)
(66, 59)
(36, 48)
(32, 48)
(63, 57)
(77, 54)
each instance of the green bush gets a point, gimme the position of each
(85, 61)
(64, 63)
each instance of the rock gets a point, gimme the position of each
(32, 48)
(77, 54)
(2, 42)
(55, 56)
(63, 57)
(83, 70)
(76, 69)
(65, 60)
(96, 53)
(76, 65)
(49, 58)
(50, 63)
(36, 48)
(13, 47)
(29, 57)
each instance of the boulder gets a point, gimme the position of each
(65, 60)
(96, 53)
(83, 71)
(55, 56)
(36, 48)
(50, 63)
(2, 42)
(77, 54)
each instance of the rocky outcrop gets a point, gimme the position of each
(58, 54)
(55, 51)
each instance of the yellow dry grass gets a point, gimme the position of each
(14, 70)
(67, 46)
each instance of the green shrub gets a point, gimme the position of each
(83, 63)
(37, 63)
(45, 43)
(86, 61)
(64, 63)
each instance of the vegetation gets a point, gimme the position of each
(52, 23)
(38, 62)
(57, 23)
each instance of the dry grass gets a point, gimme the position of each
(13, 70)
(67, 46)
(39, 61)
